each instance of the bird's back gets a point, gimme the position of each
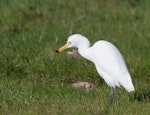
(111, 65)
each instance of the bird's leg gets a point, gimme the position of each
(111, 95)
(117, 96)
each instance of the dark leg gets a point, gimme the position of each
(117, 97)
(111, 95)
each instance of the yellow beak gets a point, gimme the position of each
(62, 48)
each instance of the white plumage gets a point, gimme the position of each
(108, 61)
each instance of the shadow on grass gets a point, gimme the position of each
(141, 96)
(142, 90)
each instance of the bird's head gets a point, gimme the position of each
(75, 40)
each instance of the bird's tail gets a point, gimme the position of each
(127, 83)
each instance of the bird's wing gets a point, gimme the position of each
(109, 60)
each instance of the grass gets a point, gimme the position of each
(34, 80)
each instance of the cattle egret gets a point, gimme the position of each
(107, 59)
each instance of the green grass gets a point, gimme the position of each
(34, 79)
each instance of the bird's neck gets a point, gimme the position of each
(85, 53)
(84, 48)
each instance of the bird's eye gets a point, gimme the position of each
(69, 43)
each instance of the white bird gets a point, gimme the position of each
(108, 61)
